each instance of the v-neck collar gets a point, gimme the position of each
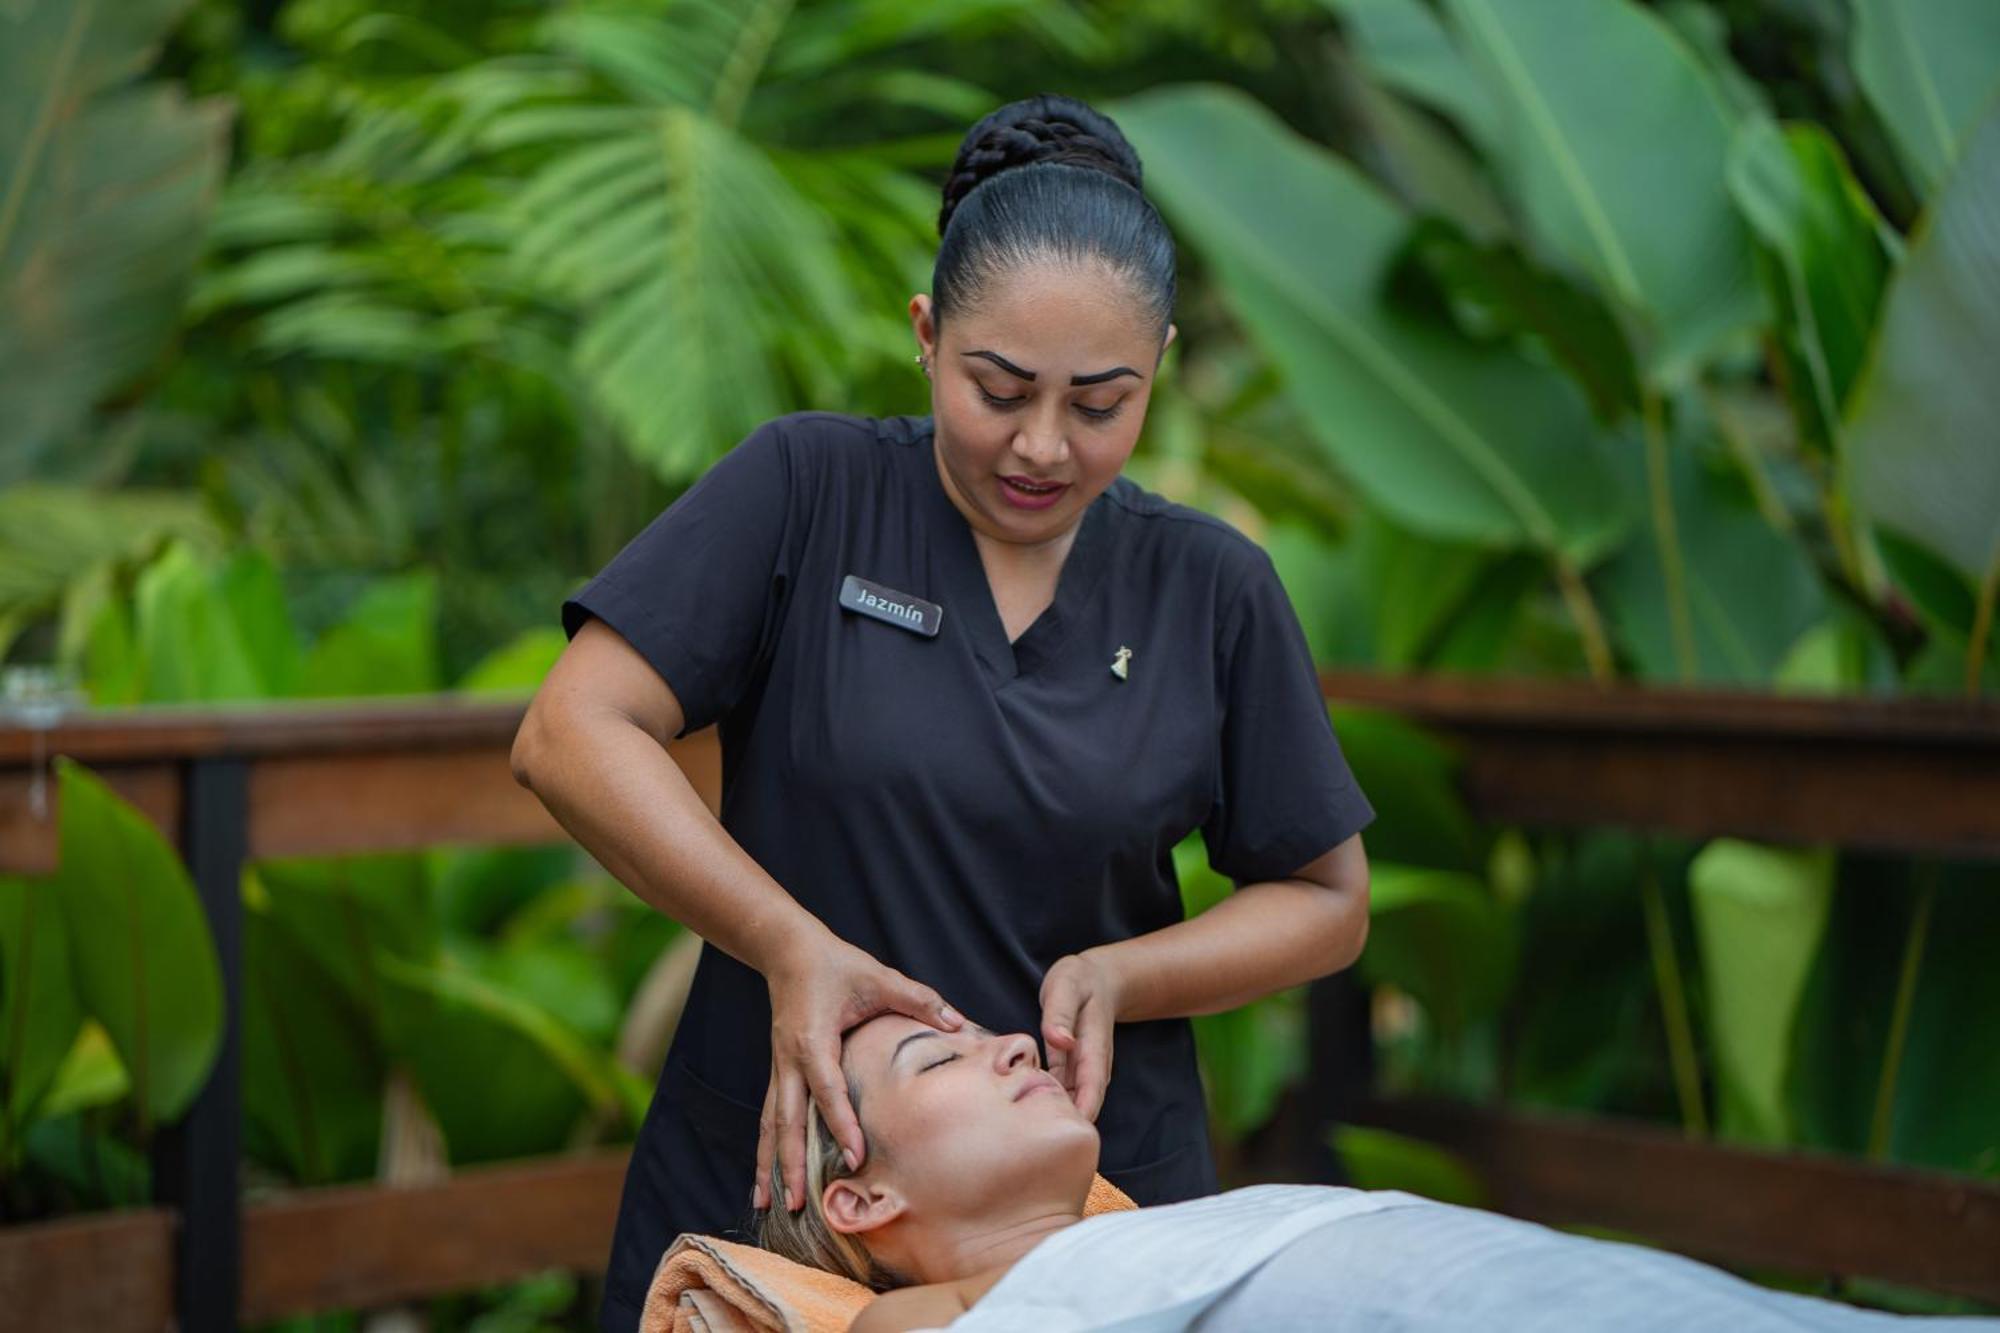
(969, 594)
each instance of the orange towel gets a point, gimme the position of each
(706, 1285)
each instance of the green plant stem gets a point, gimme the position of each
(1583, 610)
(1673, 1003)
(1982, 628)
(1899, 1019)
(1666, 534)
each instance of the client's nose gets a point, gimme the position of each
(1014, 1048)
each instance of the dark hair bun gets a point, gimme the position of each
(1045, 128)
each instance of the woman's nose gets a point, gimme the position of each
(1015, 1048)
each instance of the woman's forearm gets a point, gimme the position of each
(1263, 938)
(624, 799)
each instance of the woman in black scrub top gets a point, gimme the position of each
(972, 687)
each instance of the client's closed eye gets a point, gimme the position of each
(935, 1063)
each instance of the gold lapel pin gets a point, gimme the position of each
(1118, 662)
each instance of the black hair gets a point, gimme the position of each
(1048, 177)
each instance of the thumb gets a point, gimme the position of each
(1059, 1017)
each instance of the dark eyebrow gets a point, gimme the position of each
(931, 1032)
(1004, 364)
(1104, 375)
(1099, 378)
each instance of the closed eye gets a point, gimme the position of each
(935, 1063)
(1006, 404)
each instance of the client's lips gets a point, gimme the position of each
(1035, 1081)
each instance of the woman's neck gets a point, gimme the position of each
(984, 1250)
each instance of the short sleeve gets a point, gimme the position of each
(700, 590)
(1285, 795)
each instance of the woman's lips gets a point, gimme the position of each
(1026, 493)
(1037, 1082)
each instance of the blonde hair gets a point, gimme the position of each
(804, 1236)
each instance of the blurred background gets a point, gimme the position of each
(1604, 341)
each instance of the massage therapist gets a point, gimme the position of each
(972, 687)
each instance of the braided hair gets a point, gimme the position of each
(1048, 177)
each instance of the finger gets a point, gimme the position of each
(767, 1142)
(1059, 1015)
(829, 1091)
(792, 1134)
(923, 1004)
(1094, 1043)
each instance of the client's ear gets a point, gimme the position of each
(854, 1205)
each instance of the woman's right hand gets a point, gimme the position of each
(819, 990)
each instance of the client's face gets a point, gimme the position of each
(959, 1124)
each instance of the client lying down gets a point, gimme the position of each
(968, 1212)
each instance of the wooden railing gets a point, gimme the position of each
(237, 784)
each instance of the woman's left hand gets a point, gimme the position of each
(1079, 1010)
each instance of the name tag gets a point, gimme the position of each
(896, 608)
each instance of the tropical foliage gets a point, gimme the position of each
(339, 339)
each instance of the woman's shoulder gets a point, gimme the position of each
(1184, 535)
(932, 1305)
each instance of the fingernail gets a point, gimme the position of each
(853, 1162)
(952, 1015)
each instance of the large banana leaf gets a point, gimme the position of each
(1827, 262)
(1945, 1108)
(144, 964)
(1442, 937)
(1613, 142)
(1751, 591)
(54, 538)
(104, 189)
(1459, 442)
(468, 1042)
(39, 1014)
(312, 1067)
(1929, 67)
(1924, 444)
(1405, 45)
(1760, 913)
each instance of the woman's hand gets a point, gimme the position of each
(818, 991)
(1079, 1010)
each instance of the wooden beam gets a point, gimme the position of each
(353, 1247)
(108, 1272)
(1905, 775)
(1800, 1212)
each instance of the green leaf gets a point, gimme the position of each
(1826, 266)
(1492, 292)
(1426, 166)
(1462, 443)
(1250, 1055)
(1411, 777)
(189, 643)
(346, 912)
(39, 1014)
(1947, 1100)
(468, 1043)
(386, 645)
(145, 966)
(1921, 443)
(1760, 913)
(250, 586)
(1440, 936)
(1929, 67)
(1407, 48)
(1377, 1159)
(313, 1072)
(52, 537)
(516, 667)
(1612, 141)
(104, 190)
(1751, 591)
(91, 1074)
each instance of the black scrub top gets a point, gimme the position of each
(965, 809)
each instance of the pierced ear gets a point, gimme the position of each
(855, 1206)
(923, 322)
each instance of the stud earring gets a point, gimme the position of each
(1118, 662)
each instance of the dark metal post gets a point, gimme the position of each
(195, 1162)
